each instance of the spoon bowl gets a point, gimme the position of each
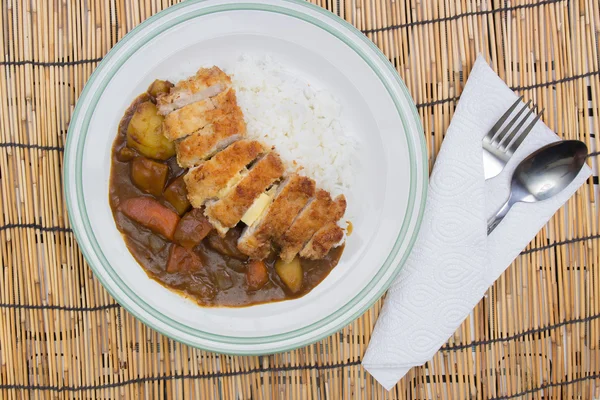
(543, 174)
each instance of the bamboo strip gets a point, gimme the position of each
(529, 44)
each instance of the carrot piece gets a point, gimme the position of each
(182, 260)
(256, 274)
(152, 215)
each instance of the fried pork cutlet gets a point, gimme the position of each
(207, 82)
(226, 212)
(203, 144)
(292, 195)
(322, 241)
(216, 176)
(196, 116)
(319, 211)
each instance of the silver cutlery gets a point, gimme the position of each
(543, 174)
(500, 144)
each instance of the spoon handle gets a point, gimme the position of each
(496, 219)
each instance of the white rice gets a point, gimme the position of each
(303, 123)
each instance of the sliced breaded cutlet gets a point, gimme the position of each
(216, 176)
(292, 195)
(184, 121)
(200, 145)
(319, 211)
(226, 212)
(207, 82)
(322, 241)
(196, 116)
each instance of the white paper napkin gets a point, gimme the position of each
(453, 261)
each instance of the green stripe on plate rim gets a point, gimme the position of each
(165, 319)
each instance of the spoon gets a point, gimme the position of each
(543, 174)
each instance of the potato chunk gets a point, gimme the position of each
(176, 194)
(192, 228)
(144, 133)
(159, 87)
(150, 176)
(290, 273)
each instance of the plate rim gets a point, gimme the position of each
(78, 207)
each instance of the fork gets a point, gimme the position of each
(500, 145)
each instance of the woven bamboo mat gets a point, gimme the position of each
(536, 333)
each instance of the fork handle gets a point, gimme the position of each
(496, 219)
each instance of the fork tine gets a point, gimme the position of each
(490, 135)
(506, 135)
(519, 139)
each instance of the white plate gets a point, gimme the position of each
(386, 201)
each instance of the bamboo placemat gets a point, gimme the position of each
(536, 333)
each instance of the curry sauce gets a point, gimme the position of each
(221, 273)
